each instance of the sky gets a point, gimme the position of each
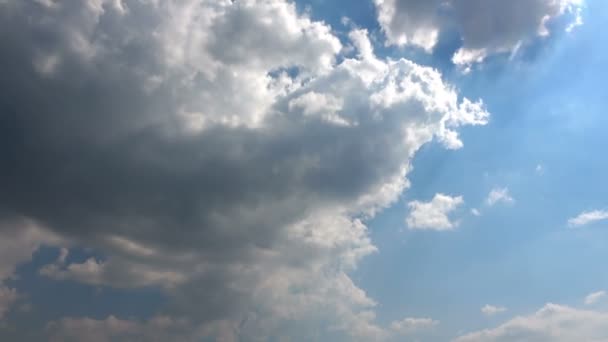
(274, 170)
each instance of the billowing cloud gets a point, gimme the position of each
(588, 217)
(552, 323)
(433, 215)
(486, 27)
(214, 149)
(499, 195)
(491, 310)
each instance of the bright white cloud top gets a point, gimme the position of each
(433, 215)
(588, 217)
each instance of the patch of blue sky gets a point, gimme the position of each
(48, 300)
(548, 111)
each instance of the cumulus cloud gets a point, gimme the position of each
(486, 27)
(433, 215)
(588, 217)
(594, 297)
(491, 310)
(499, 195)
(552, 323)
(214, 149)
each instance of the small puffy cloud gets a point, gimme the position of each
(433, 215)
(410, 325)
(552, 323)
(486, 27)
(588, 217)
(499, 195)
(594, 297)
(491, 310)
(475, 212)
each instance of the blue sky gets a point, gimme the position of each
(549, 111)
(179, 186)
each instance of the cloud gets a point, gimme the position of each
(19, 239)
(158, 328)
(552, 323)
(433, 215)
(214, 149)
(410, 326)
(475, 212)
(8, 296)
(499, 195)
(588, 217)
(594, 297)
(486, 27)
(490, 310)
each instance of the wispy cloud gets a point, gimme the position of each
(588, 217)
(491, 310)
(594, 297)
(413, 325)
(499, 195)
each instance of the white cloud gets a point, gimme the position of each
(491, 310)
(588, 217)
(475, 212)
(552, 323)
(487, 27)
(196, 160)
(410, 325)
(594, 297)
(499, 195)
(433, 215)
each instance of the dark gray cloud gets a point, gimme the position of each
(163, 135)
